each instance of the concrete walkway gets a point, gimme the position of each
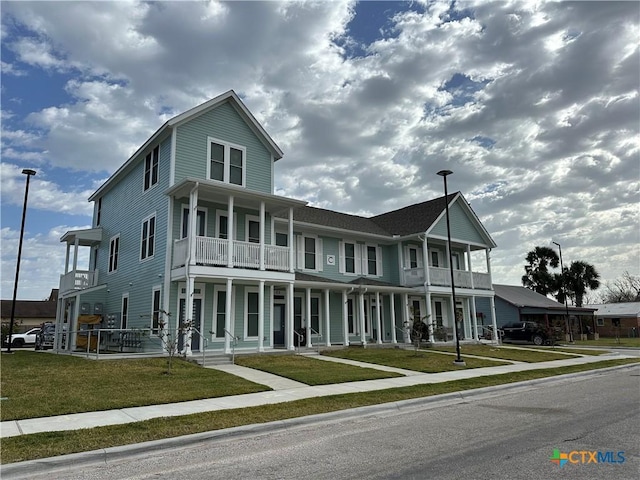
(284, 391)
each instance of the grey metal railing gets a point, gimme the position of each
(300, 338)
(205, 342)
(318, 334)
(233, 344)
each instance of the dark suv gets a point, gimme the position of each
(526, 332)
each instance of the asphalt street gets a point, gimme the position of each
(503, 434)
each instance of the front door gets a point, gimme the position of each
(279, 320)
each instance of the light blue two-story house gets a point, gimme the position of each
(188, 232)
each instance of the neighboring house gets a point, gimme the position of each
(190, 226)
(613, 319)
(519, 304)
(30, 313)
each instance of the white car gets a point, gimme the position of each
(22, 339)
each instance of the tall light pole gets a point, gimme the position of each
(565, 293)
(458, 360)
(28, 173)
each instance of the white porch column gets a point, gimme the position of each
(363, 337)
(272, 289)
(261, 316)
(427, 299)
(308, 315)
(75, 253)
(66, 260)
(496, 337)
(392, 306)
(474, 319)
(425, 262)
(378, 319)
(401, 265)
(470, 270)
(193, 226)
(345, 318)
(262, 235)
(290, 324)
(227, 317)
(291, 242)
(231, 233)
(405, 316)
(327, 318)
(488, 254)
(188, 315)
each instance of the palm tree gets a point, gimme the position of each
(537, 276)
(581, 276)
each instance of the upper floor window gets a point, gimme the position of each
(435, 258)
(309, 253)
(222, 225)
(455, 258)
(226, 162)
(350, 261)
(99, 212)
(201, 226)
(148, 238)
(114, 251)
(373, 260)
(151, 168)
(282, 239)
(253, 231)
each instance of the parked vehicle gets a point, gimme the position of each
(23, 339)
(46, 336)
(526, 332)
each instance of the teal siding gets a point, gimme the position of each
(124, 207)
(223, 123)
(462, 226)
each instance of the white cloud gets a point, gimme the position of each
(554, 86)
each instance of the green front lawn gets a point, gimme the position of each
(38, 384)
(421, 361)
(516, 354)
(42, 445)
(610, 342)
(311, 371)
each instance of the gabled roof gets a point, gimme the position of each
(415, 218)
(523, 297)
(230, 97)
(329, 218)
(625, 309)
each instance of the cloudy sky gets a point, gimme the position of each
(534, 106)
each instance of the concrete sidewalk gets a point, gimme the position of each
(284, 390)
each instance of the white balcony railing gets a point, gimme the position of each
(78, 280)
(414, 277)
(215, 252)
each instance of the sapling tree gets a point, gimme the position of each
(170, 340)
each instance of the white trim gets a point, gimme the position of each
(172, 161)
(227, 146)
(245, 314)
(111, 270)
(146, 241)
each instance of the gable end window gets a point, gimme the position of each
(226, 162)
(148, 238)
(114, 251)
(151, 168)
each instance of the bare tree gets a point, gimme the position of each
(623, 289)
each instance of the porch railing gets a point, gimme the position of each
(215, 252)
(78, 280)
(414, 277)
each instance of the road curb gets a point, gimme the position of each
(113, 454)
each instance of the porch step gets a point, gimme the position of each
(212, 359)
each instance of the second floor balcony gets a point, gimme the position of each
(441, 277)
(78, 280)
(214, 252)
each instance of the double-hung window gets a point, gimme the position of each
(350, 258)
(114, 251)
(252, 312)
(151, 168)
(373, 260)
(124, 315)
(148, 236)
(201, 226)
(226, 162)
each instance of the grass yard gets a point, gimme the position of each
(311, 371)
(525, 354)
(610, 342)
(39, 384)
(421, 361)
(42, 445)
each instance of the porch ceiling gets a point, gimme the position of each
(218, 192)
(85, 238)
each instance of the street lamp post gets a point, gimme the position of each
(458, 360)
(28, 173)
(565, 293)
